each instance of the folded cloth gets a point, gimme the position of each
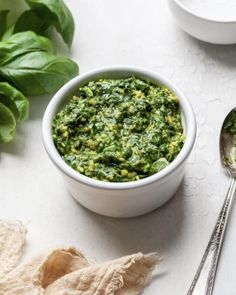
(68, 272)
(12, 239)
(35, 276)
(125, 276)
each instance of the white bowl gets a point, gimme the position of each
(120, 199)
(205, 29)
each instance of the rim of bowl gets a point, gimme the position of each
(182, 6)
(59, 97)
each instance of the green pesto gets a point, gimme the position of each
(119, 130)
(230, 127)
(230, 124)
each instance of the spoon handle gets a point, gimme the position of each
(203, 281)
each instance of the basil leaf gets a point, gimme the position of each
(37, 73)
(7, 124)
(8, 33)
(10, 104)
(21, 43)
(58, 14)
(14, 100)
(30, 21)
(3, 21)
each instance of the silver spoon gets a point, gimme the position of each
(203, 281)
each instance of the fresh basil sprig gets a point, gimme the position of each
(55, 12)
(28, 64)
(22, 43)
(3, 21)
(7, 124)
(44, 14)
(39, 72)
(30, 21)
(14, 100)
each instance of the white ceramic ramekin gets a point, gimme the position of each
(205, 29)
(120, 199)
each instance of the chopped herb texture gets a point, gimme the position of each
(230, 124)
(119, 130)
(230, 128)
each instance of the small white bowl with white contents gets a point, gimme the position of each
(212, 21)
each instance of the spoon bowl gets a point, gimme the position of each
(228, 143)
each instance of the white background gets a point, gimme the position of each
(140, 33)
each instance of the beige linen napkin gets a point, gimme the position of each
(125, 276)
(35, 276)
(12, 238)
(68, 272)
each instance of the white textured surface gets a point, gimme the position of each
(140, 33)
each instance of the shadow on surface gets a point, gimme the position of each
(38, 105)
(16, 146)
(223, 54)
(157, 231)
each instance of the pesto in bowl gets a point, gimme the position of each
(119, 130)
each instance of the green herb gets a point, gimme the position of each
(7, 124)
(119, 130)
(3, 21)
(30, 21)
(230, 128)
(28, 64)
(36, 73)
(53, 12)
(230, 124)
(42, 15)
(22, 43)
(14, 100)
